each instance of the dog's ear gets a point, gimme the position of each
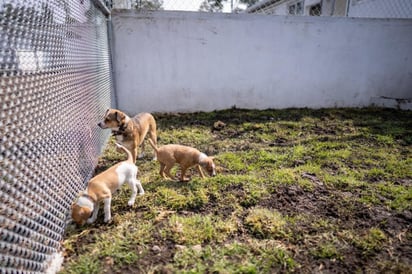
(119, 116)
(107, 112)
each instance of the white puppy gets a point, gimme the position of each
(102, 186)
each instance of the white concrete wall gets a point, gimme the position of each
(180, 61)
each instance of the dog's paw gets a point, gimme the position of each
(107, 220)
(130, 203)
(141, 155)
(141, 193)
(90, 220)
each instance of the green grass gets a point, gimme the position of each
(234, 257)
(297, 190)
(371, 242)
(198, 229)
(265, 223)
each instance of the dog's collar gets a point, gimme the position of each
(116, 132)
(202, 156)
(121, 130)
(85, 200)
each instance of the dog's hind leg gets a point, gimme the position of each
(153, 137)
(182, 176)
(136, 184)
(162, 170)
(139, 186)
(141, 155)
(167, 171)
(133, 186)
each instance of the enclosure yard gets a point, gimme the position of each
(297, 190)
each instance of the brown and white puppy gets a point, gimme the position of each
(102, 186)
(186, 157)
(130, 132)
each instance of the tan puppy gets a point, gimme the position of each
(186, 157)
(101, 188)
(130, 132)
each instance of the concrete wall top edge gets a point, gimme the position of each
(242, 16)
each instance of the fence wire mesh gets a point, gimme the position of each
(55, 83)
(350, 8)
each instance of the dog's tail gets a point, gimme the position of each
(129, 154)
(153, 145)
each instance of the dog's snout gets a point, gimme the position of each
(100, 125)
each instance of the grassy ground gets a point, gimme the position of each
(297, 190)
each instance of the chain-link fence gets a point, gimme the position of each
(55, 84)
(350, 8)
